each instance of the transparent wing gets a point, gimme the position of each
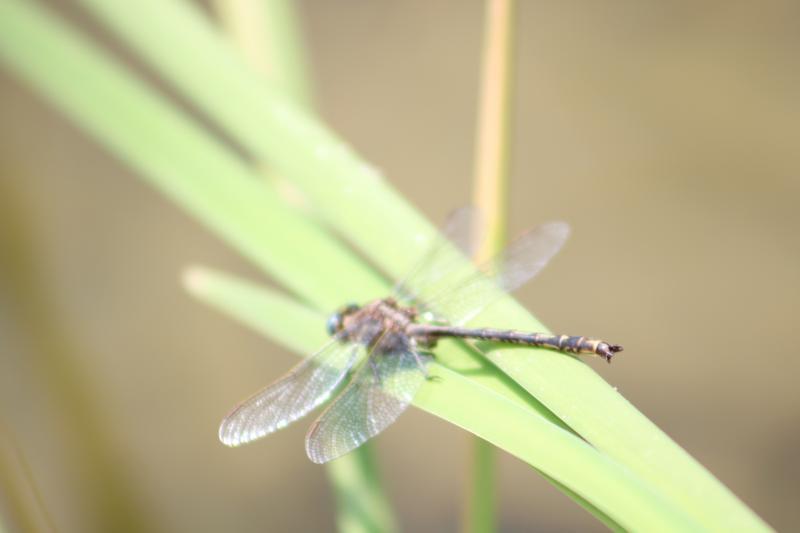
(466, 291)
(381, 390)
(306, 386)
(457, 242)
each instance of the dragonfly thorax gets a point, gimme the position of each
(380, 325)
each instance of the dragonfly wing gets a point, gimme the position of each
(381, 390)
(527, 255)
(307, 385)
(458, 241)
(461, 299)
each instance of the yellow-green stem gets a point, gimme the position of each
(489, 196)
(480, 511)
(492, 140)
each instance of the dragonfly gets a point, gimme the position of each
(384, 346)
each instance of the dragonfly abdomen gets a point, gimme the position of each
(562, 343)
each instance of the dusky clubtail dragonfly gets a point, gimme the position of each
(385, 344)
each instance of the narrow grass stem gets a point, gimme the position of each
(479, 513)
(489, 196)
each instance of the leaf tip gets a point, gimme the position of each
(195, 279)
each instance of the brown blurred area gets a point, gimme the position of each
(665, 133)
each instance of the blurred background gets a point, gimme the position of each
(665, 133)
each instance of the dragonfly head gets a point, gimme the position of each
(336, 320)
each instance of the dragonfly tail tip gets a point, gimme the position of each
(608, 351)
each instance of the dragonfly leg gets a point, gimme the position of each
(421, 364)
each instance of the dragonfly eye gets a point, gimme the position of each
(334, 323)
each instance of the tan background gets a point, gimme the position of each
(665, 133)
